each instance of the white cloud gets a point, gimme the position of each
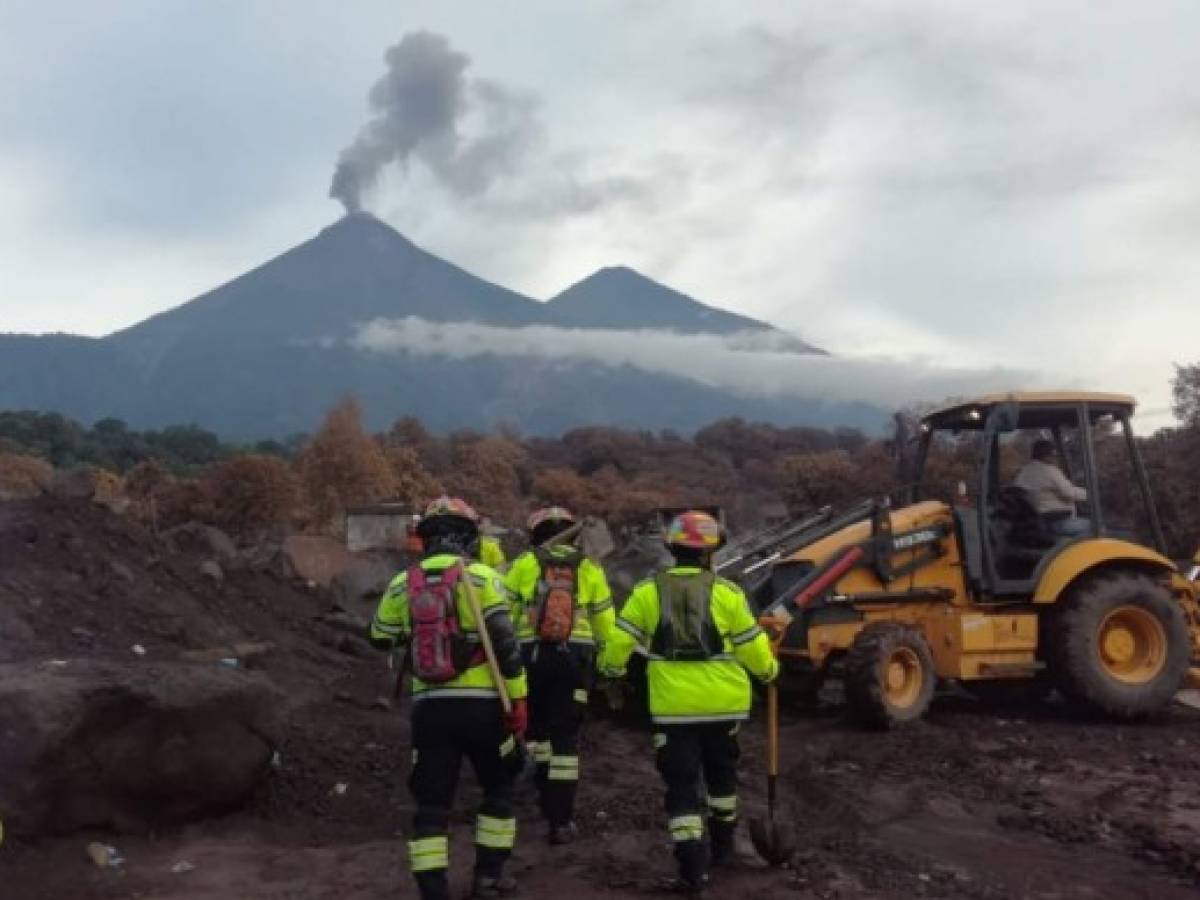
(749, 363)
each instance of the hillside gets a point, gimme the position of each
(265, 354)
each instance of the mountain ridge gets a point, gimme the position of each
(267, 352)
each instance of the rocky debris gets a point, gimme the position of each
(90, 483)
(364, 580)
(194, 537)
(244, 653)
(130, 747)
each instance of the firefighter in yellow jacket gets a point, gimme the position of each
(564, 612)
(455, 702)
(700, 638)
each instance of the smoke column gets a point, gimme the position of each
(420, 108)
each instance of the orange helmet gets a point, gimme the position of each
(695, 530)
(549, 514)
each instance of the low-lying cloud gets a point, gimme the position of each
(753, 364)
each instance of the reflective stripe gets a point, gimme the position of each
(746, 636)
(581, 696)
(542, 752)
(494, 611)
(629, 628)
(686, 828)
(429, 853)
(448, 693)
(386, 628)
(692, 720)
(660, 740)
(508, 745)
(724, 809)
(499, 834)
(601, 605)
(716, 657)
(563, 768)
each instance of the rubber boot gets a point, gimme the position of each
(563, 834)
(486, 887)
(692, 857)
(432, 885)
(720, 835)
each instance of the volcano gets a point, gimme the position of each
(265, 354)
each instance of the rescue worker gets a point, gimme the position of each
(700, 638)
(456, 710)
(491, 552)
(564, 611)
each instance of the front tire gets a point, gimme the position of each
(889, 676)
(1120, 645)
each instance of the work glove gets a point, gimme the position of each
(517, 721)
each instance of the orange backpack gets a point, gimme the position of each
(556, 599)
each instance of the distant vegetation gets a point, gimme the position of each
(755, 470)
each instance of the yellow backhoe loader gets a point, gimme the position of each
(977, 588)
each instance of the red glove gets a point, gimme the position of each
(517, 721)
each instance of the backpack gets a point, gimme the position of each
(440, 650)
(556, 599)
(686, 632)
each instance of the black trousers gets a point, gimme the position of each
(698, 763)
(559, 680)
(443, 733)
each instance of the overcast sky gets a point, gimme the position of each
(974, 184)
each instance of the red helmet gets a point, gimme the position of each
(695, 530)
(549, 514)
(450, 506)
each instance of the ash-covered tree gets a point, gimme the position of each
(1185, 394)
(343, 466)
(252, 492)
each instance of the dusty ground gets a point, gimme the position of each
(973, 803)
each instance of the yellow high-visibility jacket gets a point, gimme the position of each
(715, 689)
(594, 616)
(392, 622)
(491, 553)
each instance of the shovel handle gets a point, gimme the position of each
(486, 640)
(772, 730)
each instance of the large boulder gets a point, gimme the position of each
(315, 558)
(364, 580)
(203, 540)
(130, 746)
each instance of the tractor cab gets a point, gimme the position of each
(1007, 537)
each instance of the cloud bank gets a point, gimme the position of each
(751, 364)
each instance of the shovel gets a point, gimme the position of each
(774, 841)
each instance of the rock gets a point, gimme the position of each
(366, 579)
(211, 570)
(197, 538)
(130, 747)
(122, 571)
(75, 484)
(313, 558)
(244, 653)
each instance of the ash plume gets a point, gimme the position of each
(466, 131)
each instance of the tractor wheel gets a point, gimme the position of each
(1119, 645)
(888, 675)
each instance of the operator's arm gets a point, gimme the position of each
(597, 599)
(493, 601)
(751, 646)
(389, 626)
(1062, 486)
(631, 630)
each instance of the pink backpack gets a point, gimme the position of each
(440, 650)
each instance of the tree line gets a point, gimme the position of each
(755, 470)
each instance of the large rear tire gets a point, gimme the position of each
(888, 675)
(1119, 645)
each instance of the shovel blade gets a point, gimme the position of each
(774, 841)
